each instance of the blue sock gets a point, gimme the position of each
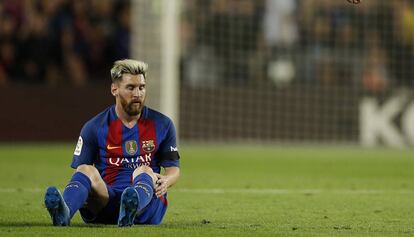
(76, 192)
(144, 185)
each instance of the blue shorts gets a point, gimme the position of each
(152, 214)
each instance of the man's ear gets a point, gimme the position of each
(114, 89)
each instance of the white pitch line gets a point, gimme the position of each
(293, 191)
(247, 191)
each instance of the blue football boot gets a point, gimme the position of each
(57, 208)
(129, 207)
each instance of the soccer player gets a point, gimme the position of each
(118, 159)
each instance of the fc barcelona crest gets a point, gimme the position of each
(131, 147)
(148, 146)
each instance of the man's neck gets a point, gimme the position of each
(127, 120)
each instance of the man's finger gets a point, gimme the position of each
(160, 187)
(162, 180)
(159, 194)
(160, 190)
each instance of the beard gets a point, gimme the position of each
(132, 108)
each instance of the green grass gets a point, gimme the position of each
(234, 191)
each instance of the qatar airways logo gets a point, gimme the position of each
(133, 162)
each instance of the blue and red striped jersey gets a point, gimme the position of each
(116, 150)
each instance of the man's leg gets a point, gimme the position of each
(84, 183)
(135, 199)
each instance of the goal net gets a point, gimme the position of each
(305, 71)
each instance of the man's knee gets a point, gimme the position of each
(99, 196)
(147, 170)
(90, 171)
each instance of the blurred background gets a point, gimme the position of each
(226, 71)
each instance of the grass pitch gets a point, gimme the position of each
(234, 191)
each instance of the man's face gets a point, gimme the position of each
(130, 92)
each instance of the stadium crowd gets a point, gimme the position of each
(61, 41)
(370, 44)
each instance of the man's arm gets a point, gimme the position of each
(166, 180)
(87, 147)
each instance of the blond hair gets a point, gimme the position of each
(129, 66)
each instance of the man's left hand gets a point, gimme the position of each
(161, 185)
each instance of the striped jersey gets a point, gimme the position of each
(116, 150)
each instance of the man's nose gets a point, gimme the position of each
(137, 92)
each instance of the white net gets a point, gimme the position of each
(294, 71)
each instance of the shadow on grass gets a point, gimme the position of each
(22, 224)
(25, 224)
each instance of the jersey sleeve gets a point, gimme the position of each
(87, 146)
(168, 151)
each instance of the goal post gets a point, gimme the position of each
(154, 39)
(169, 101)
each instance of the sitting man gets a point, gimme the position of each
(118, 159)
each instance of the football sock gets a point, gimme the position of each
(76, 192)
(144, 185)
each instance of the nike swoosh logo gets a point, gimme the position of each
(109, 147)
